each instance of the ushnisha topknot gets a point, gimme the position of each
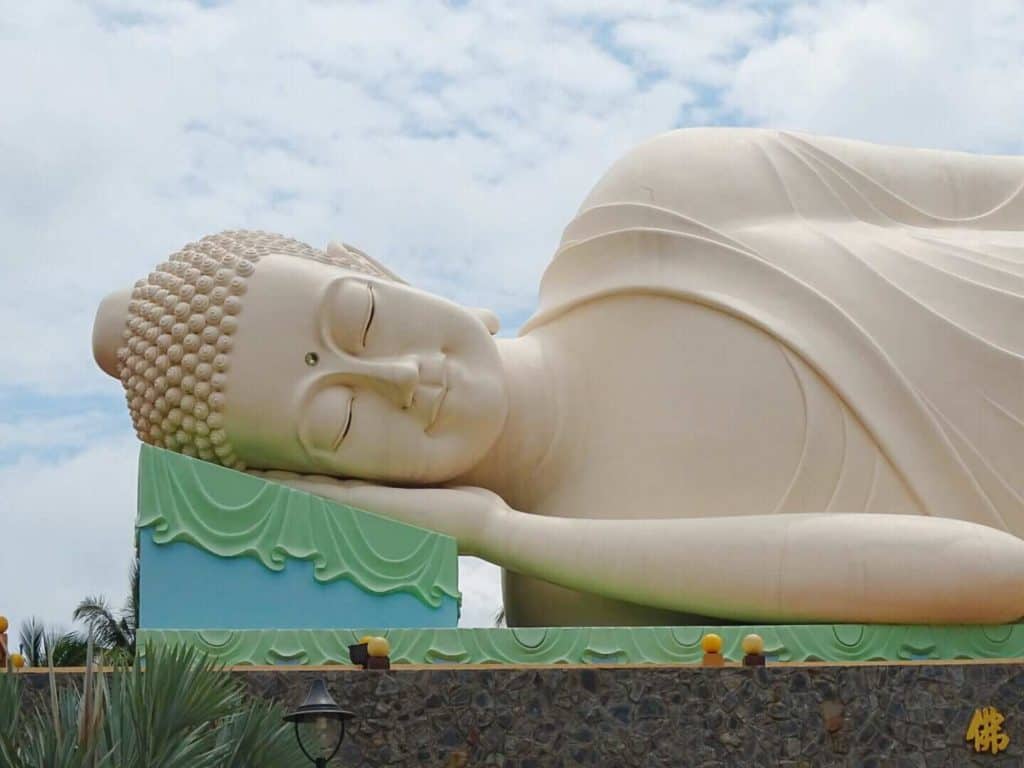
(176, 343)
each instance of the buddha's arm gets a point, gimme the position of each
(795, 568)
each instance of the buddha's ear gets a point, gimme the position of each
(488, 318)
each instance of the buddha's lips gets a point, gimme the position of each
(435, 407)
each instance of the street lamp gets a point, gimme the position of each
(315, 715)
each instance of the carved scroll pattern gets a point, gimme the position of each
(231, 514)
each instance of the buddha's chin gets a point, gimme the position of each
(457, 448)
(458, 442)
(474, 404)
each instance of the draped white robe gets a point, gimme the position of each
(897, 275)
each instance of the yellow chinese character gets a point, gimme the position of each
(985, 731)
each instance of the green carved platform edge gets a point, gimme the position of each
(603, 645)
(233, 514)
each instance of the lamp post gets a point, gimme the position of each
(317, 713)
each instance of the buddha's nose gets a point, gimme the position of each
(107, 329)
(395, 379)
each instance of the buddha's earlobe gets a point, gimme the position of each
(111, 319)
(488, 318)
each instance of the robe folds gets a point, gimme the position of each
(895, 274)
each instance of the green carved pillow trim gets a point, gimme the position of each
(603, 645)
(232, 514)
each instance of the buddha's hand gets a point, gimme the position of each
(470, 515)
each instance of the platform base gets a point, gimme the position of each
(603, 645)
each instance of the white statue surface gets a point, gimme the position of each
(772, 377)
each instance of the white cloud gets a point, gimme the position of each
(694, 44)
(68, 531)
(72, 431)
(480, 583)
(940, 74)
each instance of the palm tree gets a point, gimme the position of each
(65, 649)
(30, 641)
(112, 630)
(42, 646)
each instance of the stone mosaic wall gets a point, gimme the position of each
(881, 715)
(911, 715)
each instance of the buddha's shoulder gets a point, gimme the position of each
(719, 173)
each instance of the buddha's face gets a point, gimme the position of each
(333, 372)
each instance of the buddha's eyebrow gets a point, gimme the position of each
(344, 430)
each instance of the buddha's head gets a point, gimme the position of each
(254, 350)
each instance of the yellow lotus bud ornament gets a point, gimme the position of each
(378, 647)
(753, 644)
(711, 643)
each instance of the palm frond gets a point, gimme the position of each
(130, 614)
(259, 739)
(105, 627)
(63, 649)
(31, 639)
(113, 630)
(68, 650)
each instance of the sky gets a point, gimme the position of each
(452, 141)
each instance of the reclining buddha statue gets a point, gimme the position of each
(772, 377)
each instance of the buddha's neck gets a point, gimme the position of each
(509, 466)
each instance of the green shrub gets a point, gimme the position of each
(181, 711)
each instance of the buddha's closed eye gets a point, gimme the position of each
(351, 308)
(369, 318)
(328, 417)
(344, 430)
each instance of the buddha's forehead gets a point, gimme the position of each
(279, 322)
(286, 283)
(284, 298)
(300, 271)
